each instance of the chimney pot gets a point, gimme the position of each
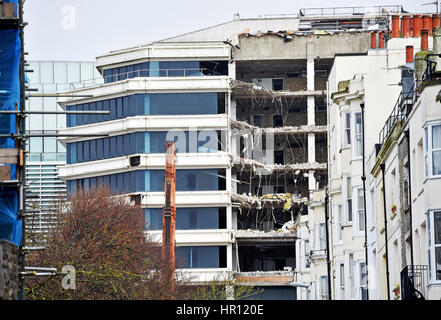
(424, 40)
(427, 23)
(409, 54)
(417, 24)
(436, 20)
(395, 26)
(381, 40)
(406, 26)
(373, 40)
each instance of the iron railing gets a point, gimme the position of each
(406, 100)
(414, 282)
(429, 73)
(400, 112)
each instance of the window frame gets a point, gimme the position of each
(360, 286)
(324, 288)
(351, 275)
(431, 246)
(348, 203)
(321, 236)
(306, 254)
(341, 280)
(356, 210)
(429, 150)
(357, 144)
(338, 224)
(346, 129)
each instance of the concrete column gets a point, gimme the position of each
(311, 116)
(234, 218)
(229, 217)
(231, 108)
(230, 257)
(228, 179)
(232, 69)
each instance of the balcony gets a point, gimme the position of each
(414, 282)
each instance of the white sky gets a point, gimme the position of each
(83, 29)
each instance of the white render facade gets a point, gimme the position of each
(371, 79)
(413, 228)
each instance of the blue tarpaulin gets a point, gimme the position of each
(10, 226)
(10, 52)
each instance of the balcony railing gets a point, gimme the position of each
(46, 156)
(400, 112)
(414, 282)
(154, 73)
(430, 72)
(406, 100)
(344, 11)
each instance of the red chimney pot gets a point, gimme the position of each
(424, 40)
(409, 54)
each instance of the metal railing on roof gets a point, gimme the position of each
(343, 11)
(400, 112)
(406, 100)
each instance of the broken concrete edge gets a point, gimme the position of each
(286, 129)
(264, 278)
(245, 88)
(238, 161)
(284, 200)
(290, 33)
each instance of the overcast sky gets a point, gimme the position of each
(83, 29)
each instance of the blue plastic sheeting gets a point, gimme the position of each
(9, 85)
(10, 226)
(10, 45)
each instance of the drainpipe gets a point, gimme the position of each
(407, 134)
(363, 178)
(327, 244)
(385, 233)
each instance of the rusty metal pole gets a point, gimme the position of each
(169, 215)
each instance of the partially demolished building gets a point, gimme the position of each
(246, 102)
